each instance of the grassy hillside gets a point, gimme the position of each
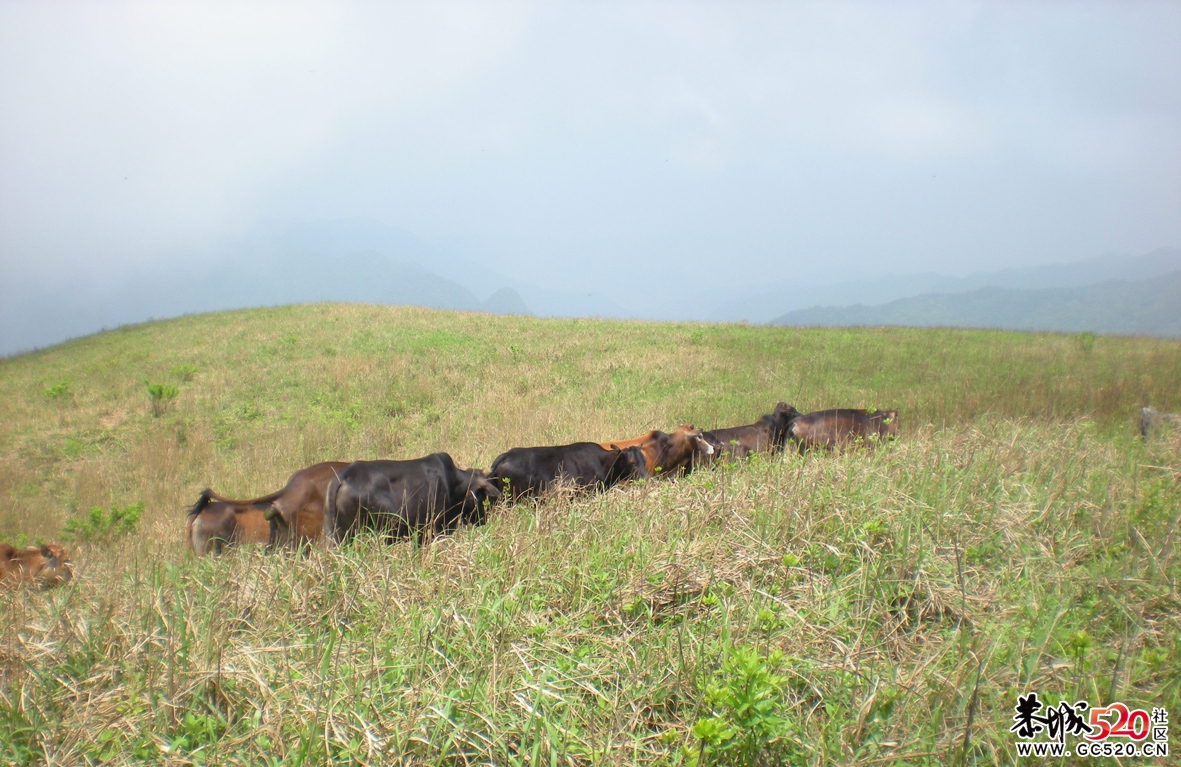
(1147, 307)
(888, 603)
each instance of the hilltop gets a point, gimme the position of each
(889, 603)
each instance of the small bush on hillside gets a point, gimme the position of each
(162, 395)
(58, 390)
(103, 526)
(1085, 341)
(184, 372)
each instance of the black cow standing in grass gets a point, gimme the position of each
(395, 498)
(526, 471)
(766, 434)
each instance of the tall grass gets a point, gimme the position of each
(893, 602)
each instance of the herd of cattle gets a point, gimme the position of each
(332, 501)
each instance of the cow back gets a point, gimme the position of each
(394, 498)
(527, 471)
(840, 426)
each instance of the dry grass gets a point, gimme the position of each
(1017, 538)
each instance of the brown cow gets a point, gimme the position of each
(767, 434)
(215, 522)
(293, 515)
(297, 515)
(843, 426)
(45, 566)
(676, 452)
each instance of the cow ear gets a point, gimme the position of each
(46, 552)
(490, 489)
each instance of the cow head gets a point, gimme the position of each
(56, 567)
(889, 423)
(688, 448)
(628, 464)
(703, 450)
(781, 418)
(479, 493)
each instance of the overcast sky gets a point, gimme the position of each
(666, 145)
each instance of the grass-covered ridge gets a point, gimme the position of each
(1018, 536)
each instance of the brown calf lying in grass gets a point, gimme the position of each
(842, 426)
(45, 566)
(668, 452)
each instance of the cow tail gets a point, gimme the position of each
(202, 501)
(189, 524)
(191, 527)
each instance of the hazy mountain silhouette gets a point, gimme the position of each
(1140, 307)
(505, 301)
(791, 296)
(362, 260)
(367, 235)
(31, 317)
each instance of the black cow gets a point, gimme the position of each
(532, 470)
(396, 498)
(766, 434)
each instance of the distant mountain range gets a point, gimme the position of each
(1133, 307)
(770, 304)
(361, 260)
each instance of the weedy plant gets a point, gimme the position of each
(747, 724)
(103, 525)
(161, 396)
(184, 372)
(58, 390)
(1085, 341)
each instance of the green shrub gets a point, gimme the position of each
(747, 723)
(101, 526)
(1085, 341)
(184, 372)
(58, 390)
(162, 395)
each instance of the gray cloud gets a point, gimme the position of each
(624, 148)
